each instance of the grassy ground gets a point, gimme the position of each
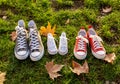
(80, 13)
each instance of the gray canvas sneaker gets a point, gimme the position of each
(21, 48)
(35, 42)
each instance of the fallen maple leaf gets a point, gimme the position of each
(107, 9)
(110, 58)
(52, 69)
(13, 35)
(44, 31)
(78, 69)
(2, 77)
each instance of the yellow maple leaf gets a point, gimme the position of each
(45, 30)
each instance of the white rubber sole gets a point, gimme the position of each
(52, 53)
(80, 57)
(98, 56)
(63, 53)
(21, 57)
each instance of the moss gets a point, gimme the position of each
(42, 11)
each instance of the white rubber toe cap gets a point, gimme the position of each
(100, 52)
(52, 52)
(81, 53)
(21, 53)
(34, 54)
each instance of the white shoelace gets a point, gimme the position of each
(97, 41)
(21, 38)
(34, 41)
(81, 45)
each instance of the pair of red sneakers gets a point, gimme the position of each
(80, 49)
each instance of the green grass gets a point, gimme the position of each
(42, 11)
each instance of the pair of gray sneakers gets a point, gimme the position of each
(35, 47)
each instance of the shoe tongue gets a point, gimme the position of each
(63, 34)
(82, 33)
(31, 24)
(49, 35)
(21, 23)
(90, 26)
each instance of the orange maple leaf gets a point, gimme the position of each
(13, 35)
(52, 69)
(2, 77)
(44, 31)
(110, 58)
(78, 69)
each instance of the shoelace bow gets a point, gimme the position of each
(21, 38)
(34, 41)
(81, 41)
(97, 41)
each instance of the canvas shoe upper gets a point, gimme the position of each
(63, 44)
(95, 42)
(35, 42)
(51, 45)
(80, 48)
(21, 49)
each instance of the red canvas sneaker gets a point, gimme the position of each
(95, 42)
(80, 49)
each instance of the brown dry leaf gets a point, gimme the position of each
(78, 69)
(110, 58)
(67, 21)
(2, 77)
(13, 35)
(52, 69)
(107, 9)
(44, 31)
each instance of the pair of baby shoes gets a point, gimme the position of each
(63, 44)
